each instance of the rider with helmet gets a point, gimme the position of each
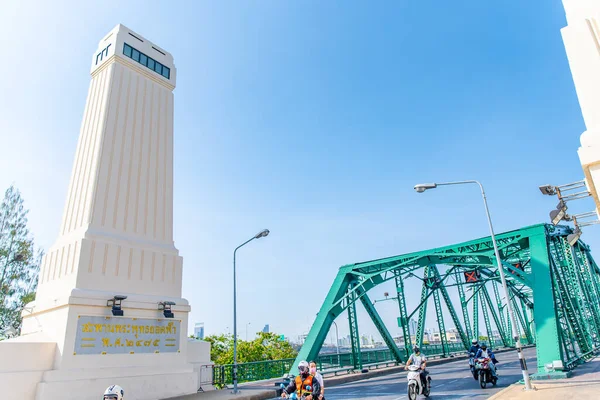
(474, 347)
(420, 361)
(305, 384)
(484, 352)
(113, 392)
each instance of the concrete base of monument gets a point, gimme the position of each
(138, 383)
(76, 348)
(30, 376)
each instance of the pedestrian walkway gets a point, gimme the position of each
(585, 383)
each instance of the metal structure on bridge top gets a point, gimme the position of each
(554, 288)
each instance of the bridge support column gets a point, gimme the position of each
(354, 335)
(463, 305)
(475, 313)
(548, 340)
(423, 308)
(403, 319)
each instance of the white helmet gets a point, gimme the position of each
(114, 392)
(303, 367)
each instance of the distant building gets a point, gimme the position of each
(365, 340)
(266, 328)
(453, 336)
(199, 330)
(413, 326)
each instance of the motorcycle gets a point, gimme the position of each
(294, 396)
(485, 372)
(472, 366)
(415, 387)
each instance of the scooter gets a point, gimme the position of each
(472, 366)
(485, 372)
(294, 396)
(415, 387)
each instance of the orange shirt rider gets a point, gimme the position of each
(301, 384)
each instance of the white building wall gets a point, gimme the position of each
(582, 43)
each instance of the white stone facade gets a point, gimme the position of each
(117, 228)
(582, 43)
(116, 238)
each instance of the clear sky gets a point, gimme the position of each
(312, 119)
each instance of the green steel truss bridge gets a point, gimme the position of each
(554, 289)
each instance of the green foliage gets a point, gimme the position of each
(19, 261)
(266, 346)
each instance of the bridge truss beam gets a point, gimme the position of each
(554, 289)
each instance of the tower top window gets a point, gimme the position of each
(146, 61)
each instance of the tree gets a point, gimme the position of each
(19, 261)
(219, 344)
(266, 346)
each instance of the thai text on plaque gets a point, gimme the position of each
(121, 335)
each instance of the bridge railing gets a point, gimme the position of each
(261, 370)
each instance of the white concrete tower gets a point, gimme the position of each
(582, 42)
(116, 239)
(117, 228)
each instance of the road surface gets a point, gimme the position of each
(449, 381)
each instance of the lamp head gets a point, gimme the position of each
(261, 234)
(548, 190)
(574, 237)
(559, 213)
(165, 306)
(115, 304)
(421, 187)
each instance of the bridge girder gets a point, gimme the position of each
(559, 283)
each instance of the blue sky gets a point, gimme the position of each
(314, 120)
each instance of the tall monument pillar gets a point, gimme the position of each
(582, 43)
(116, 241)
(117, 227)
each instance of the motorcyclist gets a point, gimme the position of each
(113, 392)
(484, 352)
(299, 385)
(472, 351)
(419, 360)
(474, 347)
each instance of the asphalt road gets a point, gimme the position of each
(449, 381)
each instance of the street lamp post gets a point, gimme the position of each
(259, 235)
(425, 186)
